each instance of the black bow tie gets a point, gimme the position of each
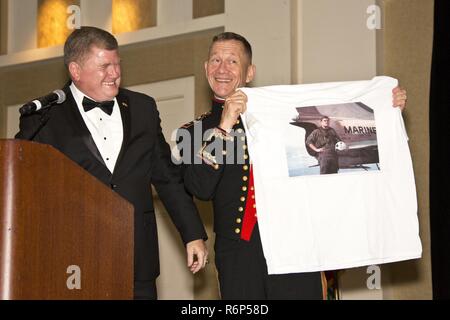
(106, 106)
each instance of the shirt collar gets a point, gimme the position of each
(218, 100)
(78, 96)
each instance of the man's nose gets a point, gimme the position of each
(114, 71)
(222, 67)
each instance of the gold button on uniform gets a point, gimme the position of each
(245, 178)
(237, 122)
(244, 147)
(237, 230)
(242, 199)
(245, 156)
(244, 188)
(241, 209)
(239, 130)
(238, 220)
(245, 167)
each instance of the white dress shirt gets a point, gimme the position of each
(106, 130)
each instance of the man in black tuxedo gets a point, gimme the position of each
(115, 134)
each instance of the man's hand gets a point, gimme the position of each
(399, 98)
(196, 248)
(233, 106)
(318, 150)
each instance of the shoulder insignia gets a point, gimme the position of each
(203, 116)
(200, 118)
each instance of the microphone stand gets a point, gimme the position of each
(43, 119)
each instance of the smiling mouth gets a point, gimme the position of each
(222, 80)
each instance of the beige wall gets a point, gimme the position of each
(22, 19)
(203, 8)
(3, 105)
(266, 24)
(3, 26)
(405, 54)
(333, 41)
(3, 50)
(96, 13)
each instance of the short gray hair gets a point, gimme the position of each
(80, 41)
(225, 36)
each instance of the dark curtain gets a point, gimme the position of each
(439, 152)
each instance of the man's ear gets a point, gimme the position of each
(251, 70)
(206, 68)
(74, 70)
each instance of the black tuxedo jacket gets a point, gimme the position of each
(144, 159)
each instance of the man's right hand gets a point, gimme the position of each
(234, 105)
(196, 248)
(318, 150)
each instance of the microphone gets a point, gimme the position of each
(57, 96)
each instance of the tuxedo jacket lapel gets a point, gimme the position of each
(76, 120)
(123, 102)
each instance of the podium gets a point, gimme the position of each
(63, 233)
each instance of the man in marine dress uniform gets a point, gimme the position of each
(219, 169)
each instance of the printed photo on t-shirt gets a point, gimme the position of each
(332, 139)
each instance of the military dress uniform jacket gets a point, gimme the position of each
(144, 159)
(223, 177)
(219, 175)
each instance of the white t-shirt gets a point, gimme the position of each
(367, 212)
